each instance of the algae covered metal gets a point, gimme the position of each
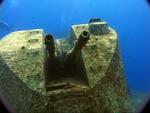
(81, 73)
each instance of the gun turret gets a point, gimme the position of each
(53, 65)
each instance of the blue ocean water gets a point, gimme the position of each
(130, 18)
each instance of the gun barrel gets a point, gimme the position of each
(78, 45)
(50, 45)
(84, 36)
(82, 40)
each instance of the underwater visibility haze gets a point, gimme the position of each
(129, 18)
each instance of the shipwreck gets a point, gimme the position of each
(82, 73)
